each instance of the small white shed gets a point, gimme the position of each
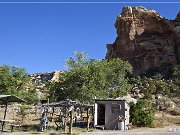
(107, 114)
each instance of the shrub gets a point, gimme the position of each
(22, 112)
(142, 113)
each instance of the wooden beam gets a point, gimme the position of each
(65, 119)
(71, 121)
(5, 113)
(87, 118)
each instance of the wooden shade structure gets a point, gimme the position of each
(70, 105)
(6, 99)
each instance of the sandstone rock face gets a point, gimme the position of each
(56, 76)
(145, 39)
(39, 80)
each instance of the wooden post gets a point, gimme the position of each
(5, 114)
(81, 111)
(65, 119)
(71, 121)
(75, 115)
(93, 113)
(87, 118)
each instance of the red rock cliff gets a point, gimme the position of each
(145, 39)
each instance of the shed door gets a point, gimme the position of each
(101, 114)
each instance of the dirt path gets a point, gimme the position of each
(170, 130)
(140, 131)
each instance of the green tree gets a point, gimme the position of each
(93, 79)
(79, 59)
(15, 81)
(12, 79)
(142, 113)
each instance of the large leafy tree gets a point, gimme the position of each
(15, 81)
(78, 59)
(92, 79)
(12, 79)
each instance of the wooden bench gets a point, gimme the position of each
(5, 122)
(12, 126)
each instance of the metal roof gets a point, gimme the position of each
(10, 98)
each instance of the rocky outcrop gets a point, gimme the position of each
(39, 80)
(145, 39)
(56, 76)
(178, 17)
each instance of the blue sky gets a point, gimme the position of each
(40, 36)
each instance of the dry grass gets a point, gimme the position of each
(163, 119)
(175, 111)
(176, 101)
(31, 123)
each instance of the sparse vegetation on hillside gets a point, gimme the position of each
(157, 83)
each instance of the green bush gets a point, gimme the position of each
(23, 112)
(142, 113)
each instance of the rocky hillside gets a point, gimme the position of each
(39, 80)
(146, 39)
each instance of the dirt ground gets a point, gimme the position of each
(169, 130)
(171, 123)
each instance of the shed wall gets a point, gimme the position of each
(111, 120)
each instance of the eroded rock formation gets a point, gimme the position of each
(39, 80)
(145, 39)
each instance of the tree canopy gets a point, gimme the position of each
(14, 81)
(78, 59)
(92, 79)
